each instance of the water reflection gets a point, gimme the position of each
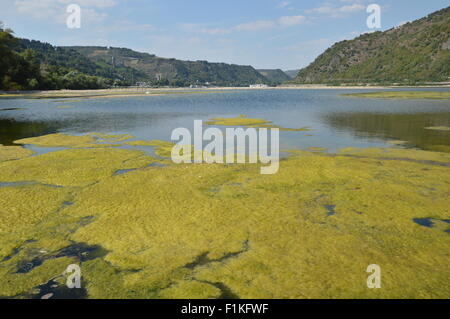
(11, 130)
(408, 127)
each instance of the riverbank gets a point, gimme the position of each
(127, 92)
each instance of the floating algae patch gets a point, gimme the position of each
(92, 140)
(317, 149)
(403, 95)
(396, 153)
(259, 236)
(243, 120)
(438, 128)
(8, 153)
(73, 167)
(111, 138)
(164, 245)
(63, 140)
(64, 107)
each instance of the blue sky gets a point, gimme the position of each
(286, 34)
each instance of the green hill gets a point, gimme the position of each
(275, 77)
(30, 65)
(415, 52)
(171, 71)
(292, 73)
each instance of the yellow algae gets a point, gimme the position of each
(74, 141)
(61, 140)
(16, 284)
(438, 128)
(396, 153)
(145, 143)
(111, 138)
(191, 290)
(22, 209)
(433, 95)
(64, 107)
(438, 148)
(397, 142)
(243, 120)
(317, 149)
(162, 148)
(72, 167)
(8, 153)
(257, 249)
(212, 230)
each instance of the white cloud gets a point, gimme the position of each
(291, 20)
(284, 4)
(55, 10)
(256, 25)
(286, 21)
(126, 26)
(338, 12)
(90, 3)
(352, 8)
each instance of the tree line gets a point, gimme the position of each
(22, 69)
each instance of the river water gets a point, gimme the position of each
(336, 121)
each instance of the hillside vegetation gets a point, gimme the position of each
(415, 52)
(276, 76)
(34, 65)
(164, 71)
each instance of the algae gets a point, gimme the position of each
(243, 120)
(226, 231)
(8, 153)
(433, 95)
(438, 128)
(71, 141)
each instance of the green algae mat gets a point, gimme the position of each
(432, 95)
(222, 231)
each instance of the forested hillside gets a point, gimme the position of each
(275, 76)
(32, 65)
(171, 71)
(415, 52)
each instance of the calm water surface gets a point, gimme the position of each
(337, 121)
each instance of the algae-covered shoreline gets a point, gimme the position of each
(431, 95)
(130, 92)
(222, 231)
(104, 93)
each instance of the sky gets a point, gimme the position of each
(267, 34)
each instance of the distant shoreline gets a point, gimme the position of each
(126, 92)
